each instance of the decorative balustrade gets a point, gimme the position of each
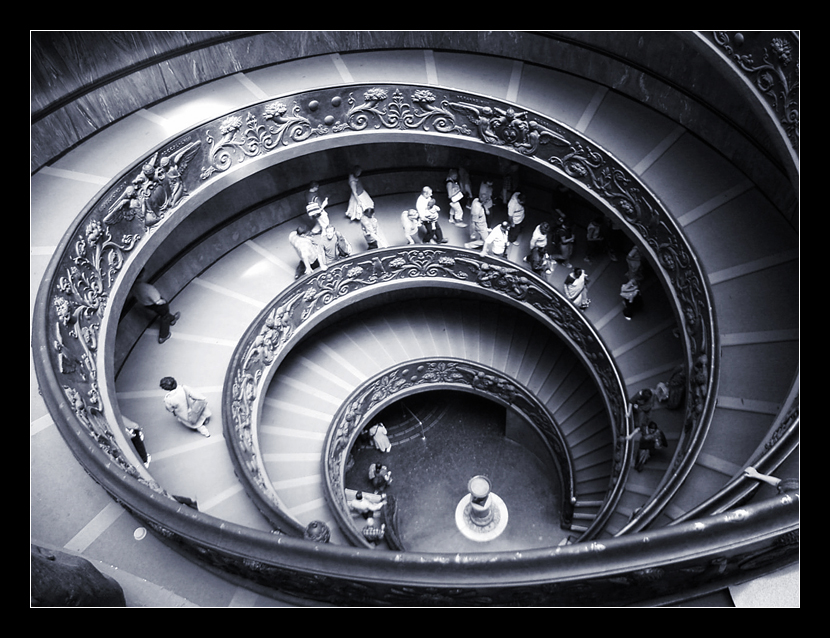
(87, 282)
(316, 297)
(153, 197)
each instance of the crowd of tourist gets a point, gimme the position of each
(318, 243)
(551, 243)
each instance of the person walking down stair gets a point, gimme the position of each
(428, 213)
(485, 195)
(148, 296)
(650, 438)
(576, 288)
(411, 224)
(538, 258)
(187, 405)
(311, 256)
(379, 438)
(632, 299)
(496, 242)
(359, 201)
(456, 196)
(516, 214)
(371, 230)
(380, 476)
(316, 209)
(478, 225)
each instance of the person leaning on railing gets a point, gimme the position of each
(782, 485)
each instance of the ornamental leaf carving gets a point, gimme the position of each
(239, 140)
(773, 67)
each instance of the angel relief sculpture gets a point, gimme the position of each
(509, 127)
(157, 189)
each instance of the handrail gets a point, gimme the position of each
(780, 442)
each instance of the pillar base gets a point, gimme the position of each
(475, 531)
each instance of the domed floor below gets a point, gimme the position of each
(431, 467)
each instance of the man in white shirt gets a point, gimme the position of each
(478, 227)
(428, 214)
(496, 242)
(422, 203)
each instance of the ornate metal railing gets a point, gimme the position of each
(87, 283)
(423, 375)
(769, 60)
(147, 202)
(314, 298)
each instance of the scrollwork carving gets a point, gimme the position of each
(238, 141)
(78, 303)
(773, 67)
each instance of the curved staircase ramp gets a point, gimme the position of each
(372, 345)
(749, 279)
(355, 350)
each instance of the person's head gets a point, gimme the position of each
(302, 229)
(330, 232)
(431, 202)
(426, 191)
(577, 273)
(168, 383)
(544, 227)
(359, 496)
(356, 170)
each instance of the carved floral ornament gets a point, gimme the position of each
(153, 192)
(772, 65)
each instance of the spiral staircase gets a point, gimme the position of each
(727, 189)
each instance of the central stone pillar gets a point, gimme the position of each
(481, 515)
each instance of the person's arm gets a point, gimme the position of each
(633, 434)
(752, 473)
(488, 243)
(321, 256)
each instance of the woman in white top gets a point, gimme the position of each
(576, 288)
(359, 200)
(411, 223)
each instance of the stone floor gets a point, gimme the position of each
(430, 476)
